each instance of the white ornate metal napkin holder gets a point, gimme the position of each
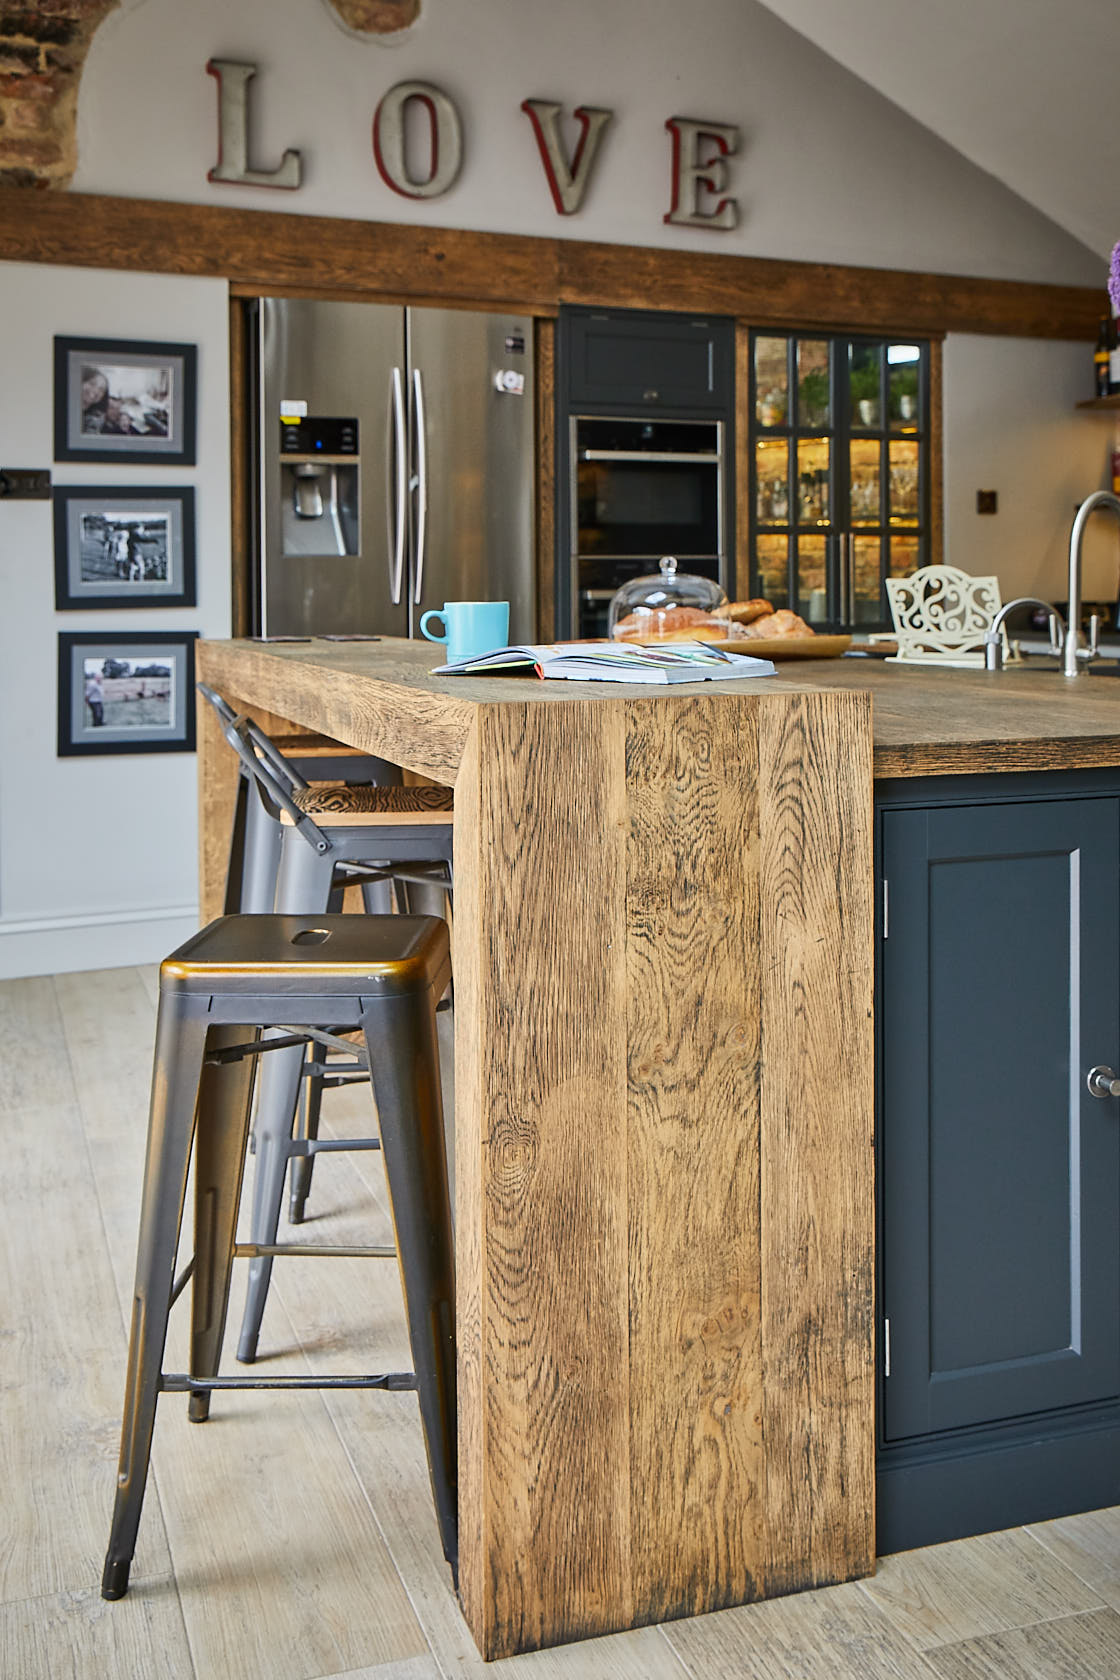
(940, 615)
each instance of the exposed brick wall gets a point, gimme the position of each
(43, 47)
(377, 17)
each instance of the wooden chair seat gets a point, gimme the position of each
(338, 806)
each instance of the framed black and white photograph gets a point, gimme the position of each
(123, 547)
(131, 692)
(124, 400)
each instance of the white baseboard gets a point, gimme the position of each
(108, 939)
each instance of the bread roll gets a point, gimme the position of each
(745, 612)
(781, 623)
(663, 624)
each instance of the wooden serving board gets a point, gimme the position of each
(766, 647)
(792, 647)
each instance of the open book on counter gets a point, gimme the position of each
(613, 662)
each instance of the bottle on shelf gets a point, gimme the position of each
(1113, 359)
(1101, 362)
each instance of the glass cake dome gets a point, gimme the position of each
(670, 605)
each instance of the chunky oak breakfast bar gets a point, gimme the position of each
(663, 996)
(664, 1096)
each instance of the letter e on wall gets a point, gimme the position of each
(694, 174)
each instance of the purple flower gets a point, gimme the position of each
(1114, 279)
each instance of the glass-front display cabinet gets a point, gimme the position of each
(839, 473)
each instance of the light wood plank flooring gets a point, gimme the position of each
(292, 1538)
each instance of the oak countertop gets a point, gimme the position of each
(925, 721)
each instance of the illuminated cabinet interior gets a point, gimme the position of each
(838, 473)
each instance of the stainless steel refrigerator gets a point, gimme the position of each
(394, 466)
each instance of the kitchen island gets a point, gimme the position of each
(664, 1096)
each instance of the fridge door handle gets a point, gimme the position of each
(421, 442)
(396, 488)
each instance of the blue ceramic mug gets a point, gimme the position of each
(470, 627)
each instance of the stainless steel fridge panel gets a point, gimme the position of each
(472, 495)
(338, 359)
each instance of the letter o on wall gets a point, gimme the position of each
(389, 140)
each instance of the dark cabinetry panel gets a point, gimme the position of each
(631, 360)
(999, 1173)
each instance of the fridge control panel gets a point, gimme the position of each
(309, 436)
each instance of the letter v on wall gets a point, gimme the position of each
(567, 182)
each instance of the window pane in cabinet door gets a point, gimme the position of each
(904, 482)
(773, 569)
(814, 386)
(905, 555)
(814, 499)
(771, 381)
(903, 361)
(812, 578)
(865, 481)
(771, 456)
(866, 385)
(866, 576)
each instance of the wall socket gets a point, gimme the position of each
(987, 501)
(25, 484)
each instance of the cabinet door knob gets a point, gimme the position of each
(1102, 1082)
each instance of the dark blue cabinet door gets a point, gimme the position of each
(1000, 1174)
(632, 360)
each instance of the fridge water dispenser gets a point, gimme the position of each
(319, 488)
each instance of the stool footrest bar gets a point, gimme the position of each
(328, 1146)
(356, 1059)
(310, 1251)
(182, 1280)
(178, 1382)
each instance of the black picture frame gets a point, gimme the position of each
(123, 546)
(125, 400)
(165, 720)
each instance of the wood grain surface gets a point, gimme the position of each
(817, 1137)
(268, 251)
(541, 1176)
(694, 985)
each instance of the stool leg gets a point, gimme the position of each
(262, 858)
(377, 898)
(221, 1133)
(303, 887)
(180, 1043)
(404, 1059)
(310, 1099)
(235, 869)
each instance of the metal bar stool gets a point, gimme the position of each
(374, 834)
(254, 855)
(310, 976)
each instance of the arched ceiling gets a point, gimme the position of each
(1025, 89)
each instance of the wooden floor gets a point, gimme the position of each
(291, 1537)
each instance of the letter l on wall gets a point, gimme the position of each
(233, 132)
(567, 182)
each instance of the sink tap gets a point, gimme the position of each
(1073, 656)
(993, 636)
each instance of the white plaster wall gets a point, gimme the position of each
(1011, 426)
(828, 170)
(97, 855)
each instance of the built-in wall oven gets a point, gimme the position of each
(640, 488)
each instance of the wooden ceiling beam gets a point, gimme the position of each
(262, 251)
